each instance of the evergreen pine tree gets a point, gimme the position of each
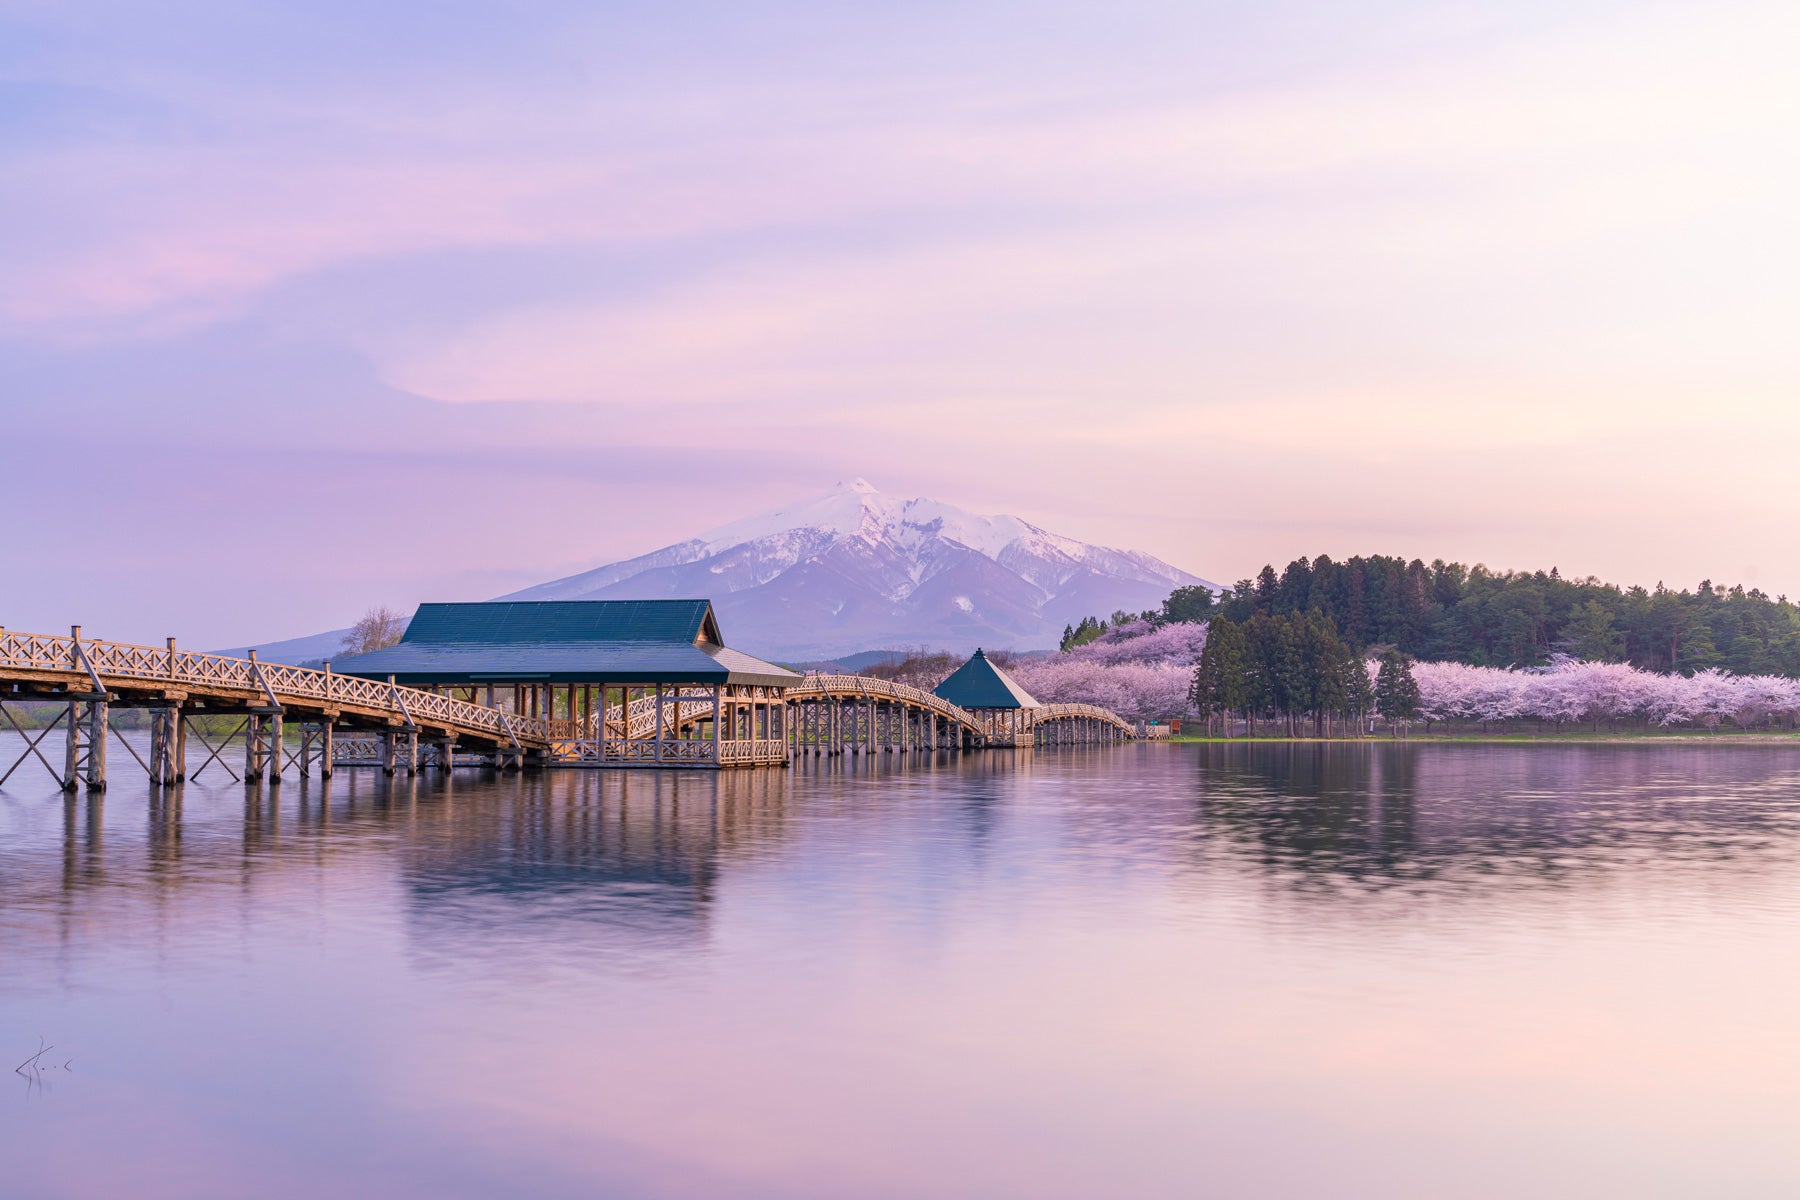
(1359, 690)
(1220, 686)
(1396, 691)
(1326, 654)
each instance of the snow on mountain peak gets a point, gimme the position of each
(859, 509)
(856, 567)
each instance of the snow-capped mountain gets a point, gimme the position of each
(855, 569)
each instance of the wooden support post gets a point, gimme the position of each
(159, 747)
(181, 732)
(659, 720)
(272, 752)
(96, 718)
(96, 763)
(167, 746)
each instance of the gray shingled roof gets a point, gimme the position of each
(978, 683)
(565, 641)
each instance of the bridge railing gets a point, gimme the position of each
(682, 706)
(842, 687)
(122, 660)
(1043, 714)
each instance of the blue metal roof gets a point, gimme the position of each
(978, 683)
(682, 622)
(565, 641)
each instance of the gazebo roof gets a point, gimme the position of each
(978, 683)
(565, 641)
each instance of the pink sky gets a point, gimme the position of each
(306, 310)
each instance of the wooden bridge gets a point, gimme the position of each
(340, 720)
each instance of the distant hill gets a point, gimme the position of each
(310, 648)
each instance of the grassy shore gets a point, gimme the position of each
(1605, 737)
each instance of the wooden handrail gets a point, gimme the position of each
(165, 664)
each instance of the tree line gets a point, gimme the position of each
(1450, 612)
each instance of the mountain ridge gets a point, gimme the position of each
(855, 570)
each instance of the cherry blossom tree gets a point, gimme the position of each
(1573, 691)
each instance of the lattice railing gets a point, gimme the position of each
(122, 661)
(848, 687)
(1046, 713)
(753, 750)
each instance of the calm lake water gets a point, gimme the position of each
(1431, 971)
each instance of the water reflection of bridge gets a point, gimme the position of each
(640, 856)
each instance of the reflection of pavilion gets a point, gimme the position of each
(609, 864)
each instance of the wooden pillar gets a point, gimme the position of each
(160, 747)
(659, 720)
(717, 728)
(96, 736)
(73, 757)
(272, 751)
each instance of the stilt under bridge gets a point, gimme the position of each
(253, 720)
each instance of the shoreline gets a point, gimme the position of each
(1774, 737)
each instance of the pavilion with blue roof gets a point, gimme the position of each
(620, 682)
(983, 688)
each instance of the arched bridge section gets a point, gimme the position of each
(1054, 724)
(835, 713)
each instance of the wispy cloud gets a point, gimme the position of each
(1158, 246)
